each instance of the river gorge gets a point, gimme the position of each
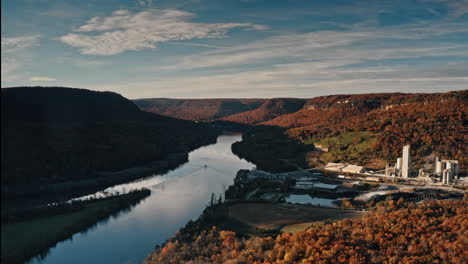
(177, 197)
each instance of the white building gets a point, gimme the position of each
(342, 167)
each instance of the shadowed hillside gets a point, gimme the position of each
(197, 109)
(57, 135)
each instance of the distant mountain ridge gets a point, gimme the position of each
(361, 128)
(270, 109)
(198, 109)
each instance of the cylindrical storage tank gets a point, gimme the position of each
(445, 176)
(448, 165)
(399, 163)
(438, 167)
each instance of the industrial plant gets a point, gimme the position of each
(444, 172)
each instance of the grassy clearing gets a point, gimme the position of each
(349, 147)
(22, 240)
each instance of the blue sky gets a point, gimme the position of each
(236, 48)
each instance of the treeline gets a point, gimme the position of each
(392, 232)
(28, 213)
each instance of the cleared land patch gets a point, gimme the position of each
(276, 216)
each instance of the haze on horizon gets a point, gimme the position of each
(236, 48)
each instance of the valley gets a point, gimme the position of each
(283, 186)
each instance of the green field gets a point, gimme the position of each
(346, 147)
(24, 239)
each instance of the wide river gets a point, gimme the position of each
(131, 236)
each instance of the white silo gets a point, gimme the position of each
(406, 166)
(399, 164)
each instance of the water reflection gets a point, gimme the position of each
(307, 199)
(130, 237)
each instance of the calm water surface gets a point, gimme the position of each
(307, 199)
(130, 237)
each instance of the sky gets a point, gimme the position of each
(236, 48)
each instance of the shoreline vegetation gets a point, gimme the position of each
(57, 192)
(33, 234)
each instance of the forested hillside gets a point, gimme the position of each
(60, 134)
(369, 129)
(198, 109)
(270, 109)
(393, 232)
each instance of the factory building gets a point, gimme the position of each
(447, 170)
(344, 167)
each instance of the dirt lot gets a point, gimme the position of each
(276, 216)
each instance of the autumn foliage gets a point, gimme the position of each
(431, 123)
(434, 124)
(393, 232)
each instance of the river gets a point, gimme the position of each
(131, 236)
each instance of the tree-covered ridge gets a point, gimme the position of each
(270, 109)
(392, 232)
(383, 123)
(55, 134)
(198, 109)
(434, 124)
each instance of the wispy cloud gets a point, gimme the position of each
(196, 44)
(362, 59)
(124, 31)
(13, 57)
(42, 79)
(13, 44)
(9, 66)
(359, 44)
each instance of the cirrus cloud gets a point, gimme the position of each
(14, 55)
(42, 79)
(12, 44)
(124, 31)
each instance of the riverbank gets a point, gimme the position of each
(34, 235)
(31, 195)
